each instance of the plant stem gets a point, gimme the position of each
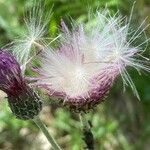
(43, 128)
(87, 133)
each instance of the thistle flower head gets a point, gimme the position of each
(23, 101)
(11, 80)
(82, 70)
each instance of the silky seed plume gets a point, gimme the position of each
(36, 21)
(83, 69)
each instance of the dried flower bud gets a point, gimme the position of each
(23, 101)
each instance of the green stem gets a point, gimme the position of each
(87, 133)
(43, 128)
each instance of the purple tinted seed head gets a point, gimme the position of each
(82, 70)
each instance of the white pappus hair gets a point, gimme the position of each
(96, 54)
(36, 21)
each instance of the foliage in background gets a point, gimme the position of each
(122, 122)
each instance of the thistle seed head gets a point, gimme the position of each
(82, 70)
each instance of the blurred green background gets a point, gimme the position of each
(120, 123)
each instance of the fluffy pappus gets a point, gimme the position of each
(82, 70)
(25, 45)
